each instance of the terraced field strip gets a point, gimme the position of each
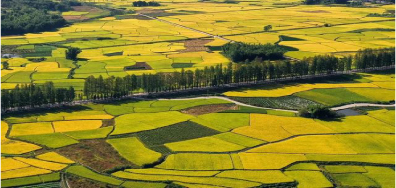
(189, 28)
(311, 27)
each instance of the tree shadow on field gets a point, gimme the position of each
(338, 119)
(383, 72)
(43, 112)
(333, 79)
(121, 102)
(82, 59)
(269, 86)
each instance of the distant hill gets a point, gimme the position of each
(26, 16)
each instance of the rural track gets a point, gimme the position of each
(361, 105)
(189, 28)
(63, 182)
(343, 107)
(233, 101)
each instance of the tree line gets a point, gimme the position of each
(35, 95)
(26, 16)
(368, 58)
(239, 52)
(145, 4)
(213, 76)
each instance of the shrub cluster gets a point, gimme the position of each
(145, 4)
(318, 112)
(71, 53)
(387, 15)
(238, 52)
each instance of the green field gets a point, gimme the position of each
(234, 148)
(133, 150)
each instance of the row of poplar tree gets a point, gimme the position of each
(35, 95)
(256, 70)
(214, 76)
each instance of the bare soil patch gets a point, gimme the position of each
(75, 181)
(196, 45)
(81, 9)
(206, 109)
(139, 66)
(74, 17)
(96, 154)
(86, 9)
(156, 12)
(108, 122)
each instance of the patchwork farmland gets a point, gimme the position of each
(185, 109)
(195, 143)
(111, 44)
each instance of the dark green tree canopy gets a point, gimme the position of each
(267, 28)
(6, 65)
(26, 16)
(318, 112)
(239, 52)
(71, 53)
(145, 4)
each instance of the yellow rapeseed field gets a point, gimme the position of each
(17, 147)
(267, 161)
(41, 163)
(208, 144)
(31, 128)
(54, 157)
(387, 116)
(8, 85)
(375, 94)
(326, 144)
(272, 128)
(87, 117)
(265, 177)
(65, 126)
(22, 172)
(173, 172)
(197, 161)
(385, 85)
(11, 164)
(13, 146)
